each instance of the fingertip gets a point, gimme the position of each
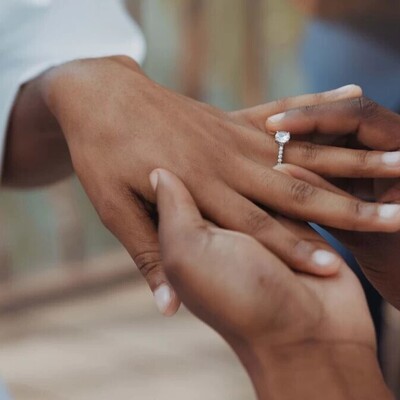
(166, 300)
(348, 91)
(316, 261)
(326, 262)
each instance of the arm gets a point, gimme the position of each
(119, 124)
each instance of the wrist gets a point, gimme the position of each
(314, 370)
(36, 152)
(80, 80)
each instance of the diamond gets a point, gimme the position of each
(282, 137)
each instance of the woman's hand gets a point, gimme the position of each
(119, 125)
(361, 123)
(296, 334)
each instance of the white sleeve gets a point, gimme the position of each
(38, 34)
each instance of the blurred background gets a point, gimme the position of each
(77, 321)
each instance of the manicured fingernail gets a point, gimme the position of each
(163, 297)
(276, 118)
(388, 211)
(392, 159)
(323, 258)
(347, 89)
(154, 180)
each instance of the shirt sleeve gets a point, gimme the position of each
(38, 34)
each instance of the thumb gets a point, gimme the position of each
(128, 220)
(181, 225)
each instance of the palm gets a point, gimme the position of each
(253, 294)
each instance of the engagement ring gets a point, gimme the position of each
(281, 138)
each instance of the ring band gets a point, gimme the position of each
(281, 137)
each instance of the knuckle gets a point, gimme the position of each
(309, 152)
(362, 160)
(367, 107)
(357, 211)
(357, 207)
(257, 221)
(148, 262)
(301, 192)
(308, 109)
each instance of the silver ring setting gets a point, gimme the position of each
(281, 137)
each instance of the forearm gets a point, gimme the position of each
(36, 152)
(332, 372)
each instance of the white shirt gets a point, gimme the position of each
(38, 34)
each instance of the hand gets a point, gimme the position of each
(364, 124)
(286, 327)
(119, 125)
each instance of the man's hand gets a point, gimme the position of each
(363, 124)
(119, 125)
(298, 336)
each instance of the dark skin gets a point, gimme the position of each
(116, 125)
(304, 333)
(294, 335)
(362, 124)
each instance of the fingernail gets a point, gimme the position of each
(346, 89)
(392, 158)
(277, 118)
(323, 258)
(163, 297)
(154, 179)
(388, 211)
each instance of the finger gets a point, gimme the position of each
(298, 199)
(376, 127)
(304, 230)
(178, 213)
(128, 220)
(258, 115)
(345, 237)
(310, 177)
(360, 188)
(341, 162)
(233, 211)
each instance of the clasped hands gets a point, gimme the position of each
(258, 273)
(297, 335)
